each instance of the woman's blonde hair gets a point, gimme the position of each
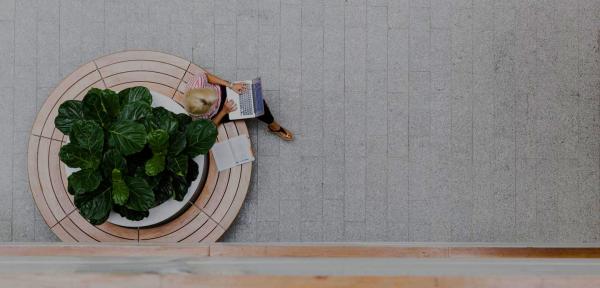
(198, 101)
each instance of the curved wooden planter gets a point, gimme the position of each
(207, 217)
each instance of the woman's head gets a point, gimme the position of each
(199, 100)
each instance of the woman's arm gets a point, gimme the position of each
(237, 87)
(228, 107)
(212, 79)
(217, 119)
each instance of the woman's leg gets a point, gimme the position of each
(267, 117)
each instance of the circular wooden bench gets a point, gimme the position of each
(207, 217)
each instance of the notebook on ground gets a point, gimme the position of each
(233, 152)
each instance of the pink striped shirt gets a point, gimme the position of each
(201, 81)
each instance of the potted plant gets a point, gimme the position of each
(131, 156)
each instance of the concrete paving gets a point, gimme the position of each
(416, 120)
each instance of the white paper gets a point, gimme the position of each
(235, 151)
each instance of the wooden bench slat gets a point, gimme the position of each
(197, 223)
(141, 76)
(206, 233)
(171, 227)
(62, 234)
(34, 182)
(46, 182)
(243, 185)
(142, 65)
(233, 183)
(75, 230)
(59, 187)
(211, 195)
(142, 55)
(106, 232)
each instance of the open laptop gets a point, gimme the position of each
(250, 104)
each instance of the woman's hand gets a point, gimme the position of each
(238, 88)
(229, 106)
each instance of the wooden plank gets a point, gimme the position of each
(238, 250)
(57, 93)
(62, 234)
(523, 252)
(232, 183)
(141, 76)
(114, 234)
(179, 280)
(56, 177)
(211, 196)
(244, 183)
(209, 184)
(45, 181)
(182, 235)
(104, 250)
(84, 280)
(142, 55)
(75, 230)
(203, 233)
(355, 251)
(142, 65)
(78, 87)
(34, 182)
(214, 235)
(168, 229)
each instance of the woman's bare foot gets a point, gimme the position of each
(283, 133)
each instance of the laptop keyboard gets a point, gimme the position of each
(247, 102)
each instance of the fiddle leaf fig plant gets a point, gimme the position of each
(131, 156)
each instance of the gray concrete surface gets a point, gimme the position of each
(420, 120)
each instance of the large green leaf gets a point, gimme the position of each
(133, 94)
(100, 106)
(183, 120)
(165, 119)
(135, 111)
(84, 181)
(200, 136)
(111, 102)
(177, 143)
(130, 214)
(127, 136)
(95, 206)
(164, 190)
(155, 165)
(120, 191)
(180, 187)
(68, 112)
(178, 165)
(88, 135)
(112, 159)
(192, 172)
(158, 140)
(77, 157)
(141, 197)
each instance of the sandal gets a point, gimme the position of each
(282, 133)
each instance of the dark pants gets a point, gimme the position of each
(267, 117)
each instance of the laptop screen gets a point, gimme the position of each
(259, 107)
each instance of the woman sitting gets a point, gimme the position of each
(206, 98)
